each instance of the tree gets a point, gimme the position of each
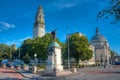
(64, 50)
(79, 48)
(14, 51)
(27, 47)
(6, 52)
(26, 58)
(112, 11)
(37, 46)
(113, 53)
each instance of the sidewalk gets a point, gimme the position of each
(80, 72)
(28, 74)
(10, 74)
(31, 76)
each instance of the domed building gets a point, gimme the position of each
(102, 50)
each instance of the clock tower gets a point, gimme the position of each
(39, 26)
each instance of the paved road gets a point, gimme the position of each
(111, 73)
(8, 74)
(97, 74)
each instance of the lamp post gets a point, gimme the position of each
(19, 54)
(68, 52)
(35, 55)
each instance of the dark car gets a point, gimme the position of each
(17, 63)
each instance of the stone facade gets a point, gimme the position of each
(92, 60)
(39, 26)
(102, 50)
(80, 34)
(54, 57)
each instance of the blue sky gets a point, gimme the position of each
(67, 16)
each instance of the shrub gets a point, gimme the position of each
(41, 67)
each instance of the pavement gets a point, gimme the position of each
(9, 74)
(28, 74)
(38, 76)
(80, 72)
(94, 73)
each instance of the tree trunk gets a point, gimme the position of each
(39, 60)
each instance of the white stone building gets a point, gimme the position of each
(102, 50)
(92, 60)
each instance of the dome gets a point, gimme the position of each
(54, 44)
(98, 37)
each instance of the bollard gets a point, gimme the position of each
(11, 67)
(104, 66)
(74, 70)
(26, 68)
(34, 69)
(4, 66)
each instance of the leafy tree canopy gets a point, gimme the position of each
(37, 46)
(6, 52)
(112, 11)
(113, 53)
(79, 48)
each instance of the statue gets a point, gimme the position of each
(54, 61)
(54, 34)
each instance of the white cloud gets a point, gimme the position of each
(63, 4)
(6, 25)
(18, 42)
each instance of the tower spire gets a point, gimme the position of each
(39, 26)
(97, 30)
(40, 16)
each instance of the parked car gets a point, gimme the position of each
(7, 63)
(17, 63)
(4, 61)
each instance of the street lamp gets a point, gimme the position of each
(35, 55)
(19, 54)
(68, 52)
